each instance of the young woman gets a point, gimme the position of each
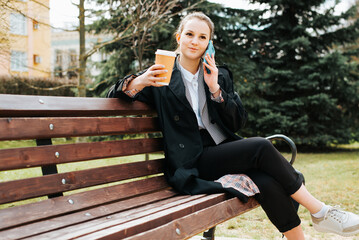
(199, 113)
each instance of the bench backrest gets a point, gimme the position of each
(43, 171)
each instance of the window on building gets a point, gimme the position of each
(18, 24)
(37, 59)
(18, 61)
(71, 72)
(58, 58)
(73, 57)
(35, 25)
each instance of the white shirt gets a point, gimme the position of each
(192, 84)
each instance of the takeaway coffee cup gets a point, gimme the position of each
(166, 58)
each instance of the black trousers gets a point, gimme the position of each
(270, 171)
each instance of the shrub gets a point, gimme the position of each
(37, 86)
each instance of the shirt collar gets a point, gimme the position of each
(188, 75)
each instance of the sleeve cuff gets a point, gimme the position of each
(131, 93)
(218, 99)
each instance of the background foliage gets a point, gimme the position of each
(37, 86)
(306, 86)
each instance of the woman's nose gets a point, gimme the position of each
(194, 41)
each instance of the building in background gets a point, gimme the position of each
(28, 49)
(65, 48)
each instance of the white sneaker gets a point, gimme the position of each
(337, 221)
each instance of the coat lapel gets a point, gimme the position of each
(177, 86)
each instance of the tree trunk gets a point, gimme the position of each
(82, 59)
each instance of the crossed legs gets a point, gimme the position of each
(276, 179)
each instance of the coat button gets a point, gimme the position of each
(213, 122)
(176, 118)
(181, 145)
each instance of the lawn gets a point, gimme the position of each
(332, 177)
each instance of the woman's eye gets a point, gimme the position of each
(203, 37)
(189, 34)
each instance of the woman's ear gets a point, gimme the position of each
(178, 37)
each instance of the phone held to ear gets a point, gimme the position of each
(210, 50)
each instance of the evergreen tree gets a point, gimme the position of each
(304, 88)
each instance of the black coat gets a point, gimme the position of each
(182, 140)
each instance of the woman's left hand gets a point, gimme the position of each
(211, 79)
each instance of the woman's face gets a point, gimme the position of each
(194, 39)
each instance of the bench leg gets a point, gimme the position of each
(50, 169)
(209, 234)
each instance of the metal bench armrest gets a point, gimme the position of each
(289, 141)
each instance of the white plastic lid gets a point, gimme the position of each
(166, 53)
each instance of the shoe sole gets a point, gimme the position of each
(325, 230)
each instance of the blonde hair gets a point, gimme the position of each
(199, 15)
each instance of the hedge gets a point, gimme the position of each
(38, 86)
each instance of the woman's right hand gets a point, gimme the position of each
(149, 78)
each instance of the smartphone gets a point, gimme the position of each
(210, 50)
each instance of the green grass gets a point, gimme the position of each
(331, 177)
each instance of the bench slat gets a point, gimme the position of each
(18, 158)
(41, 186)
(119, 227)
(44, 128)
(152, 212)
(194, 223)
(15, 216)
(45, 106)
(46, 225)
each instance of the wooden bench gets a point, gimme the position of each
(63, 190)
